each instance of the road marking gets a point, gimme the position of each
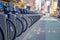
(57, 21)
(34, 30)
(54, 31)
(38, 33)
(49, 31)
(43, 31)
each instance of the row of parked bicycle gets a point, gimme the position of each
(15, 23)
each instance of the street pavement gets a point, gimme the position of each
(47, 28)
(57, 18)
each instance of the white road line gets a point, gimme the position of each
(57, 21)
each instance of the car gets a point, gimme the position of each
(53, 15)
(58, 15)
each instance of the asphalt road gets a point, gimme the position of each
(47, 28)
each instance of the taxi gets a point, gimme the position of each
(53, 15)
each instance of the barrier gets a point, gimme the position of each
(3, 27)
(13, 24)
(21, 24)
